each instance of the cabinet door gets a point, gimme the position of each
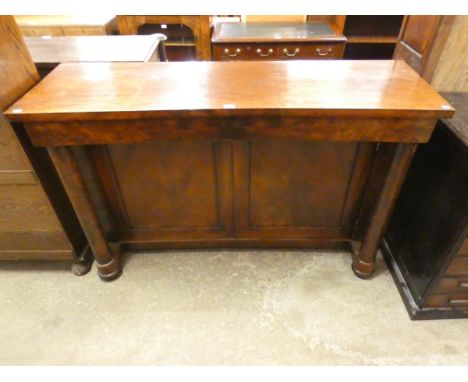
(298, 189)
(168, 191)
(421, 41)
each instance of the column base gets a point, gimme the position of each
(362, 269)
(113, 269)
(82, 264)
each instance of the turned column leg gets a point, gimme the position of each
(107, 259)
(364, 260)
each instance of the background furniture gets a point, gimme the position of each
(425, 249)
(427, 238)
(37, 221)
(232, 154)
(273, 18)
(50, 51)
(369, 36)
(276, 41)
(67, 25)
(171, 26)
(421, 41)
(449, 74)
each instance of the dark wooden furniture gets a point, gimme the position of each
(416, 39)
(276, 41)
(232, 154)
(426, 244)
(49, 51)
(37, 221)
(421, 41)
(199, 25)
(369, 37)
(67, 25)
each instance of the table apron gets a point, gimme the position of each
(356, 129)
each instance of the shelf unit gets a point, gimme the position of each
(180, 43)
(369, 37)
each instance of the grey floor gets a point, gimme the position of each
(224, 307)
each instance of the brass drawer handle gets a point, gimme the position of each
(270, 52)
(458, 303)
(320, 53)
(286, 52)
(237, 52)
(463, 285)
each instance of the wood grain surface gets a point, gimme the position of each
(59, 49)
(186, 89)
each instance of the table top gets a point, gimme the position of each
(66, 20)
(274, 32)
(226, 89)
(58, 49)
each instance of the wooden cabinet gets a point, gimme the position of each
(232, 154)
(36, 218)
(29, 227)
(276, 41)
(427, 238)
(249, 191)
(369, 37)
(183, 31)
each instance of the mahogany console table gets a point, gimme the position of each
(306, 154)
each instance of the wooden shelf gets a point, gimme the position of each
(179, 43)
(372, 39)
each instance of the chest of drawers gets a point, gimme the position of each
(427, 238)
(276, 41)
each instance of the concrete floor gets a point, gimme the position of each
(194, 307)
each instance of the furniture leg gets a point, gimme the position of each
(107, 259)
(83, 263)
(364, 261)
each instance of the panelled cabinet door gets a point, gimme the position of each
(421, 41)
(298, 189)
(182, 192)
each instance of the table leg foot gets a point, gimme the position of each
(362, 269)
(110, 271)
(83, 263)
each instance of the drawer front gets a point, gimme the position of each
(458, 301)
(452, 285)
(277, 51)
(310, 51)
(459, 266)
(26, 208)
(243, 52)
